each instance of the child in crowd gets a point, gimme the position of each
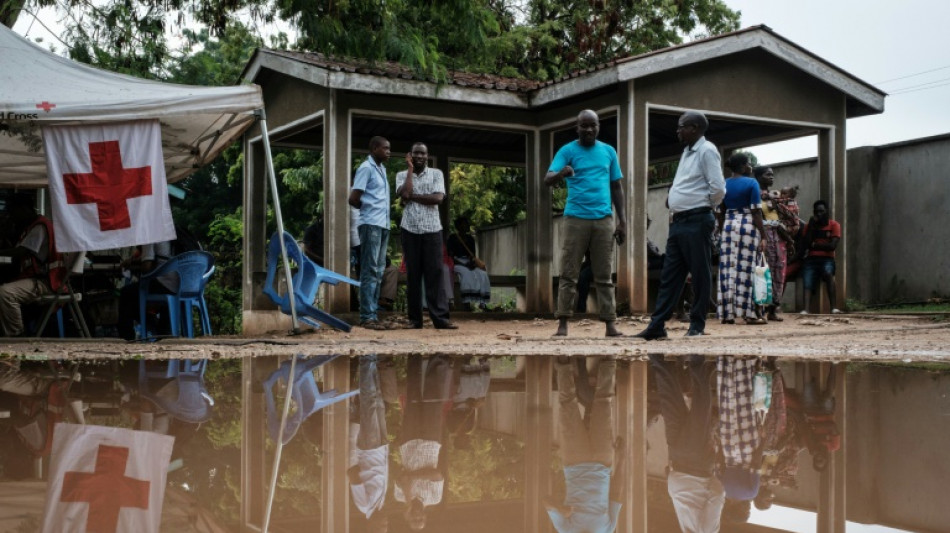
(787, 206)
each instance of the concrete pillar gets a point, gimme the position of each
(255, 223)
(632, 145)
(253, 460)
(637, 203)
(539, 243)
(335, 514)
(831, 493)
(336, 190)
(832, 188)
(632, 426)
(539, 428)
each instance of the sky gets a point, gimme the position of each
(898, 46)
(874, 41)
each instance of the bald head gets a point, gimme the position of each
(691, 126)
(588, 127)
(697, 119)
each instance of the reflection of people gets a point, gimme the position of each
(474, 285)
(592, 476)
(420, 484)
(41, 266)
(369, 449)
(422, 189)
(738, 434)
(591, 171)
(697, 495)
(370, 194)
(697, 188)
(474, 379)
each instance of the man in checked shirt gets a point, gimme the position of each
(422, 189)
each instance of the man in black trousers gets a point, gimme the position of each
(697, 189)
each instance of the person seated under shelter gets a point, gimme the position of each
(41, 269)
(474, 285)
(149, 257)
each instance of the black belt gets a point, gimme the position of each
(690, 212)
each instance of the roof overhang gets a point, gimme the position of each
(375, 84)
(863, 98)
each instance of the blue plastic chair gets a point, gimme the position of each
(306, 396)
(181, 392)
(306, 282)
(193, 269)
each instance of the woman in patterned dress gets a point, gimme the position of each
(775, 216)
(741, 243)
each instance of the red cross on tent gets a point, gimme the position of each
(107, 489)
(109, 185)
(106, 480)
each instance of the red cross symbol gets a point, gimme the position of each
(109, 185)
(106, 490)
(45, 106)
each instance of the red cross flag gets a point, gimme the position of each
(107, 185)
(106, 480)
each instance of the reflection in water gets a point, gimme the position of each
(697, 494)
(421, 481)
(369, 446)
(592, 499)
(459, 445)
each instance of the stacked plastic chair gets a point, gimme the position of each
(305, 283)
(305, 395)
(193, 269)
(178, 388)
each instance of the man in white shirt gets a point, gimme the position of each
(369, 449)
(698, 188)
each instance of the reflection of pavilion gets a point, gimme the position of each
(527, 410)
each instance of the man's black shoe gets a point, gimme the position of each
(652, 334)
(446, 325)
(694, 333)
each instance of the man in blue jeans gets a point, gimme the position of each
(370, 194)
(698, 188)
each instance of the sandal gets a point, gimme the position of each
(372, 324)
(756, 321)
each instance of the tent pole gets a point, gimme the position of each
(272, 488)
(272, 180)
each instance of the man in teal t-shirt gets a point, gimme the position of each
(591, 171)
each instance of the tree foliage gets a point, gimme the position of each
(539, 39)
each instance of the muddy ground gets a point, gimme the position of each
(826, 337)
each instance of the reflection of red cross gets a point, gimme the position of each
(106, 490)
(45, 106)
(109, 185)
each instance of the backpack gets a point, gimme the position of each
(185, 241)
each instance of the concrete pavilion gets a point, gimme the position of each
(754, 85)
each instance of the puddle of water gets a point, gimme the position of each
(501, 444)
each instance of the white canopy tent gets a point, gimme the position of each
(39, 88)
